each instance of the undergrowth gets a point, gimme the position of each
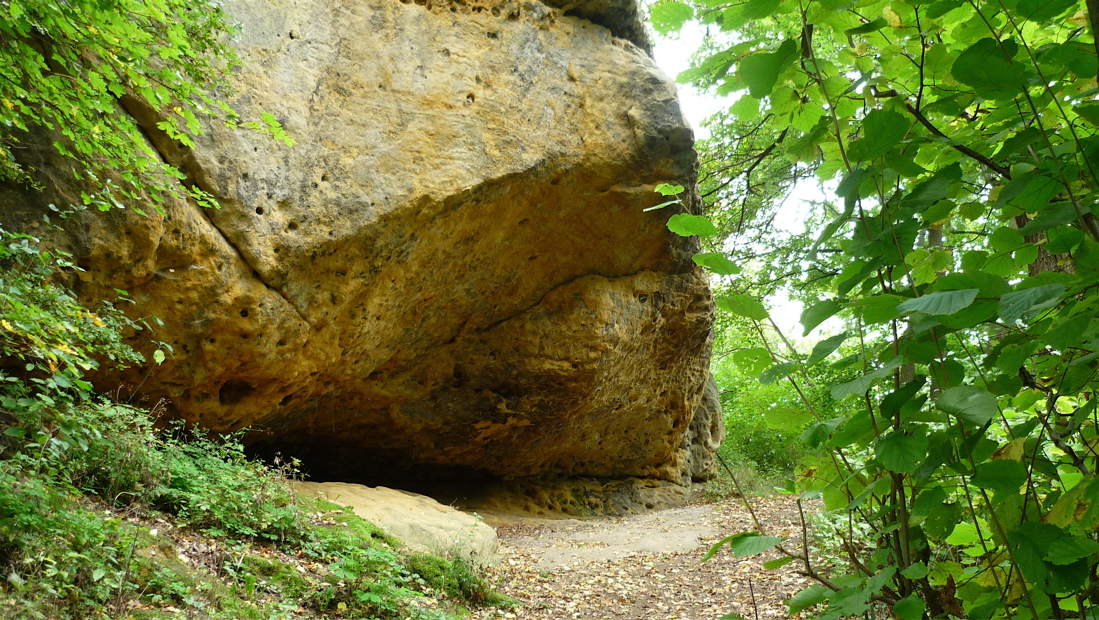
(89, 490)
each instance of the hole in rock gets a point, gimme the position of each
(234, 391)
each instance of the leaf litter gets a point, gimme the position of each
(646, 567)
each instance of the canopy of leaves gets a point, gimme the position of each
(959, 143)
(65, 67)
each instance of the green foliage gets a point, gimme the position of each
(65, 66)
(71, 67)
(456, 578)
(213, 485)
(960, 249)
(68, 456)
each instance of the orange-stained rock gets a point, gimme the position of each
(451, 271)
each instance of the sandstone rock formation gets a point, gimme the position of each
(419, 522)
(451, 272)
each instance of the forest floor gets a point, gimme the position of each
(646, 567)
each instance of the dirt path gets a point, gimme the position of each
(645, 567)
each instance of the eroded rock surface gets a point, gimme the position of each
(452, 270)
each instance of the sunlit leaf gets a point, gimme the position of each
(689, 225)
(941, 302)
(743, 305)
(968, 403)
(717, 263)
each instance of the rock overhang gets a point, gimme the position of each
(453, 268)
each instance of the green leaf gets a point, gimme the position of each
(688, 225)
(987, 67)
(824, 348)
(964, 535)
(969, 404)
(760, 71)
(1042, 10)
(882, 130)
(776, 373)
(744, 544)
(777, 562)
(668, 17)
(738, 15)
(1069, 549)
(1030, 192)
(868, 27)
(910, 607)
(665, 189)
(863, 383)
(744, 305)
(787, 419)
(1004, 477)
(717, 263)
(1025, 304)
(915, 571)
(901, 452)
(158, 356)
(880, 308)
(1029, 545)
(746, 108)
(813, 595)
(752, 360)
(751, 545)
(818, 313)
(1089, 112)
(942, 302)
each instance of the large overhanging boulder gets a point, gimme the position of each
(452, 270)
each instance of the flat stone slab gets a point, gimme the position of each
(419, 522)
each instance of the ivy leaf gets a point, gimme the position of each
(760, 71)
(1028, 302)
(744, 305)
(941, 302)
(989, 69)
(882, 130)
(688, 225)
(968, 403)
(717, 263)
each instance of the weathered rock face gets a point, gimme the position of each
(451, 270)
(706, 434)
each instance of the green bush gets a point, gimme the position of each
(213, 485)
